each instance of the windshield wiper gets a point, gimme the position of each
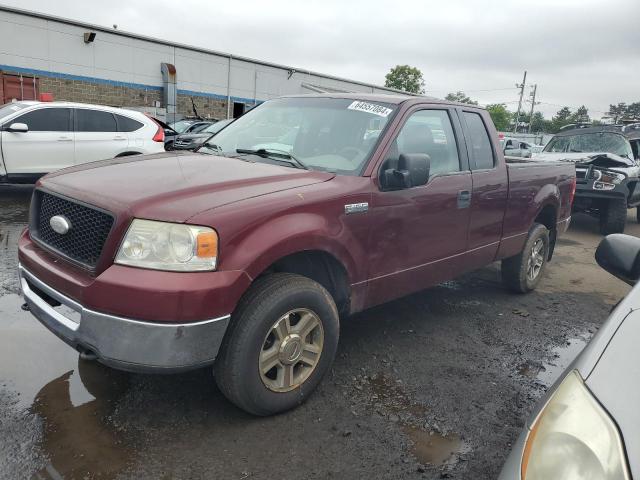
(211, 146)
(274, 152)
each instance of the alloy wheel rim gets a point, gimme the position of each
(291, 350)
(536, 259)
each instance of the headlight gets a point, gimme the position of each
(573, 438)
(169, 246)
(605, 179)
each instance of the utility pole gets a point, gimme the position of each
(533, 105)
(521, 87)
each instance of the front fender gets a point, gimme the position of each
(255, 250)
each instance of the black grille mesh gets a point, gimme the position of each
(89, 228)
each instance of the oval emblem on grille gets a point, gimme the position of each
(60, 224)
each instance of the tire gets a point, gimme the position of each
(518, 275)
(277, 299)
(638, 214)
(613, 217)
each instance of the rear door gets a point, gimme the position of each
(490, 187)
(419, 234)
(131, 129)
(97, 136)
(45, 147)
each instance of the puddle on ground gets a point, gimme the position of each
(434, 448)
(74, 399)
(562, 356)
(390, 396)
(429, 446)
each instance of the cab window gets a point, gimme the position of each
(429, 132)
(479, 142)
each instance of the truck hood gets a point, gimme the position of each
(174, 186)
(600, 159)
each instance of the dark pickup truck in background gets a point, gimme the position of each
(245, 254)
(607, 160)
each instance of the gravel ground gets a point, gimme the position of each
(435, 385)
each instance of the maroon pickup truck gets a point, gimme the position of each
(244, 255)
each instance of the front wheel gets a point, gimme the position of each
(613, 217)
(521, 273)
(281, 341)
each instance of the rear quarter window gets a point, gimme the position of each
(479, 141)
(126, 124)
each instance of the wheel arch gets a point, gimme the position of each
(548, 216)
(320, 266)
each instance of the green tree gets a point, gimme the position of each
(539, 123)
(581, 115)
(617, 112)
(460, 97)
(500, 115)
(633, 111)
(563, 117)
(405, 78)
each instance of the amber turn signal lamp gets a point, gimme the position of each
(207, 245)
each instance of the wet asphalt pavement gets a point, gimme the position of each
(436, 385)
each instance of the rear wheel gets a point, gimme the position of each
(613, 217)
(282, 340)
(521, 273)
(638, 214)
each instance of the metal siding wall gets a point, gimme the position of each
(53, 46)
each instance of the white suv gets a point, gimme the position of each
(40, 137)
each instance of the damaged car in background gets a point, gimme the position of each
(607, 162)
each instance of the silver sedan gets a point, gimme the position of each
(587, 426)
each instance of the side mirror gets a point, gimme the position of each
(619, 255)
(413, 171)
(17, 128)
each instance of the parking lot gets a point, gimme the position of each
(435, 385)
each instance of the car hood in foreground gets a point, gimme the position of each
(174, 186)
(601, 159)
(615, 382)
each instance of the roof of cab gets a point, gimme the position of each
(394, 99)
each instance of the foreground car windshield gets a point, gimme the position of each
(329, 134)
(603, 142)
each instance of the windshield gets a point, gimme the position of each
(331, 134)
(9, 108)
(600, 142)
(181, 125)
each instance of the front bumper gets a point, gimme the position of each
(123, 343)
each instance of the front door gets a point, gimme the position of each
(420, 233)
(45, 147)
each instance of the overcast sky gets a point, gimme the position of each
(577, 51)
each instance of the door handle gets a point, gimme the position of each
(464, 199)
(64, 139)
(119, 138)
